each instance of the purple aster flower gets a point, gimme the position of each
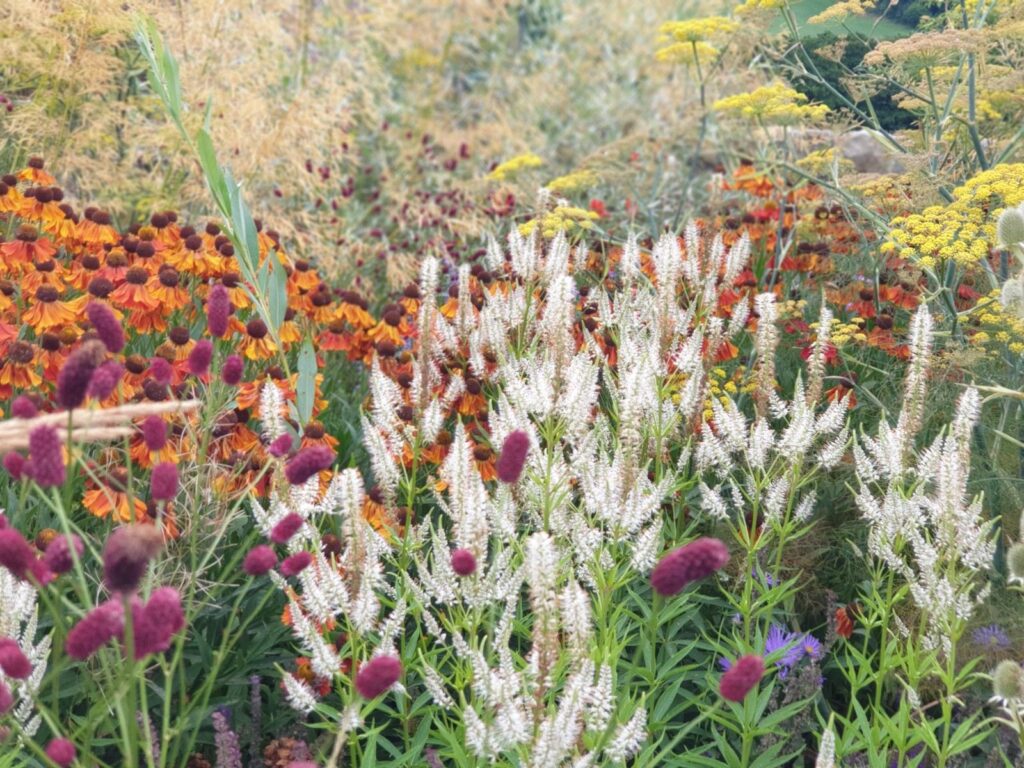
(992, 637)
(778, 639)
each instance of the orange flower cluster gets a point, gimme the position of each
(155, 279)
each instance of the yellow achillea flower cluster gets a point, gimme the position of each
(963, 230)
(689, 39)
(564, 218)
(821, 162)
(572, 182)
(513, 166)
(999, 324)
(687, 53)
(776, 103)
(751, 6)
(843, 333)
(841, 10)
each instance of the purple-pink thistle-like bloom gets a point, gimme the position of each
(377, 676)
(218, 309)
(127, 554)
(15, 553)
(106, 325)
(13, 660)
(105, 379)
(307, 463)
(512, 459)
(159, 620)
(286, 527)
(295, 564)
(154, 432)
(6, 698)
(61, 751)
(463, 562)
(692, 562)
(280, 446)
(58, 556)
(160, 370)
(46, 451)
(259, 560)
(199, 358)
(231, 371)
(97, 628)
(76, 373)
(14, 463)
(741, 678)
(163, 483)
(23, 408)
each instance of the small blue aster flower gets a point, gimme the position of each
(778, 639)
(810, 646)
(992, 637)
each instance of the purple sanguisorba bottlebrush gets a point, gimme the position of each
(13, 661)
(163, 483)
(15, 553)
(160, 370)
(512, 459)
(199, 358)
(106, 325)
(259, 560)
(157, 622)
(741, 677)
(127, 554)
(692, 562)
(46, 452)
(308, 462)
(61, 751)
(154, 433)
(377, 675)
(286, 527)
(23, 408)
(218, 310)
(59, 557)
(14, 463)
(231, 371)
(76, 373)
(295, 564)
(97, 628)
(280, 446)
(105, 380)
(463, 562)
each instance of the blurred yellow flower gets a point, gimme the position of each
(515, 165)
(776, 103)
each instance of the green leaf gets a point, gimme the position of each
(305, 390)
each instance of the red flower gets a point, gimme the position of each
(741, 678)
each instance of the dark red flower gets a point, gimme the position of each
(23, 407)
(692, 562)
(280, 446)
(463, 562)
(127, 554)
(13, 661)
(259, 560)
(106, 325)
(74, 376)
(377, 676)
(58, 557)
(295, 564)
(199, 358)
(218, 309)
(286, 528)
(163, 484)
(61, 751)
(231, 372)
(15, 553)
(307, 463)
(45, 450)
(155, 623)
(154, 433)
(509, 465)
(99, 626)
(741, 677)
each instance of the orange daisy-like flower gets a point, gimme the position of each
(484, 459)
(111, 499)
(134, 293)
(302, 277)
(19, 369)
(257, 344)
(353, 310)
(94, 229)
(166, 288)
(34, 172)
(48, 311)
(26, 248)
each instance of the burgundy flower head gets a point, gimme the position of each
(218, 309)
(156, 622)
(154, 432)
(377, 676)
(307, 463)
(23, 407)
(295, 564)
(259, 560)
(509, 465)
(14, 463)
(15, 553)
(97, 628)
(106, 325)
(231, 371)
(104, 380)
(45, 449)
(74, 376)
(61, 751)
(692, 562)
(126, 555)
(163, 484)
(463, 562)
(13, 661)
(160, 370)
(199, 358)
(741, 677)
(58, 556)
(280, 446)
(286, 527)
